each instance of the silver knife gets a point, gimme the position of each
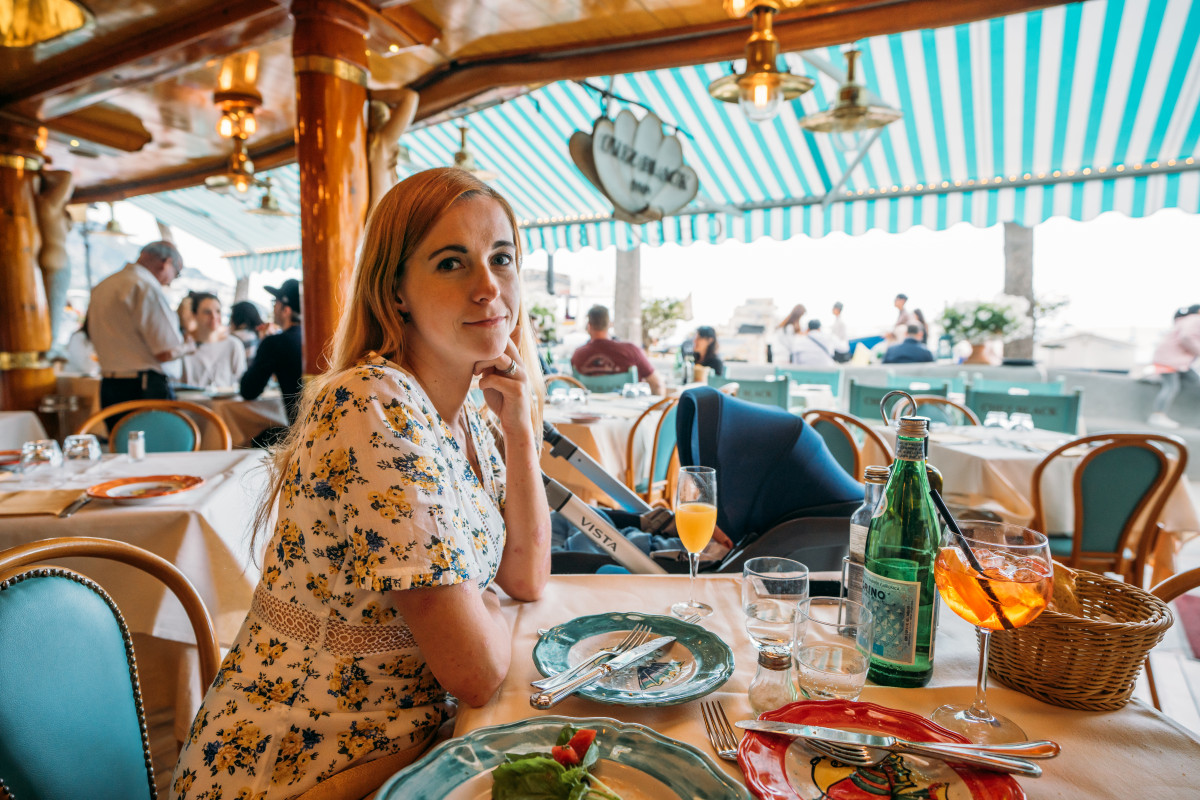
(544, 700)
(1038, 749)
(75, 506)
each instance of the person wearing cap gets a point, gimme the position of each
(280, 355)
(704, 349)
(135, 330)
(1173, 361)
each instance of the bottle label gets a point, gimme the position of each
(858, 542)
(910, 449)
(894, 606)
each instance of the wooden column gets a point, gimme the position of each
(1018, 278)
(25, 375)
(330, 57)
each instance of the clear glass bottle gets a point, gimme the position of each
(898, 584)
(137, 445)
(772, 686)
(852, 568)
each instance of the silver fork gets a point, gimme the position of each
(640, 633)
(862, 756)
(720, 733)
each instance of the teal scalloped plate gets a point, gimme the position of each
(697, 663)
(638, 762)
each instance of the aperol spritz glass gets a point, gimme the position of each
(1012, 589)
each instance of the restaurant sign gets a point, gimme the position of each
(635, 166)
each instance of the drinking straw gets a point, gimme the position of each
(971, 559)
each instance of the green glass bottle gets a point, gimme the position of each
(898, 585)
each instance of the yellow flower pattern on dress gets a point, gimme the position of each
(379, 498)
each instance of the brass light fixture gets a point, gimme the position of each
(762, 88)
(852, 113)
(268, 204)
(110, 228)
(237, 98)
(25, 23)
(464, 159)
(238, 176)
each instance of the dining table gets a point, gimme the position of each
(600, 426)
(204, 531)
(992, 468)
(18, 427)
(245, 419)
(1135, 751)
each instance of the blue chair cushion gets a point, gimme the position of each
(165, 432)
(70, 719)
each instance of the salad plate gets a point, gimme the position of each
(779, 768)
(637, 762)
(697, 663)
(143, 489)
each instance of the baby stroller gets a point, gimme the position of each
(780, 492)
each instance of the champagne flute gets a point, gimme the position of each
(695, 519)
(1011, 591)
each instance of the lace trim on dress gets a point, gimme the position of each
(339, 638)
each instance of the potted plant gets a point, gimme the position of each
(980, 321)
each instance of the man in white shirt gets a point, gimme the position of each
(133, 328)
(219, 360)
(814, 348)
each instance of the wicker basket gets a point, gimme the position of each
(1082, 662)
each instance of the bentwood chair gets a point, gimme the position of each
(170, 425)
(938, 409)
(863, 400)
(1120, 486)
(1167, 591)
(71, 716)
(764, 392)
(842, 434)
(1049, 411)
(656, 482)
(567, 379)
(608, 383)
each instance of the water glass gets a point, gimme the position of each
(831, 647)
(643, 389)
(80, 452)
(577, 395)
(995, 419)
(771, 589)
(39, 457)
(1020, 422)
(629, 390)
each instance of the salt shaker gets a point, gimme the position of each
(772, 686)
(137, 445)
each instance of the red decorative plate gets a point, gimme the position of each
(779, 768)
(143, 489)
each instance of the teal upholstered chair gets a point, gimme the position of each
(608, 383)
(1018, 387)
(1049, 412)
(773, 392)
(71, 718)
(864, 400)
(1120, 486)
(918, 383)
(170, 425)
(821, 377)
(846, 436)
(937, 409)
(656, 482)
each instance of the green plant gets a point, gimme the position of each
(545, 322)
(659, 316)
(976, 321)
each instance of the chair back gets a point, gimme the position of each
(846, 436)
(567, 379)
(608, 383)
(1120, 487)
(1018, 387)
(764, 392)
(656, 483)
(170, 425)
(937, 409)
(864, 400)
(822, 377)
(1049, 412)
(917, 383)
(71, 710)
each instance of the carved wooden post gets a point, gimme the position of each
(25, 375)
(330, 57)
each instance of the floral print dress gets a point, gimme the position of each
(379, 498)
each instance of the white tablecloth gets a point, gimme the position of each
(19, 427)
(244, 418)
(1134, 752)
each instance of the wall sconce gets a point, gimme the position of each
(762, 88)
(852, 113)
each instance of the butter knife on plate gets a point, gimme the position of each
(544, 700)
(1006, 757)
(75, 506)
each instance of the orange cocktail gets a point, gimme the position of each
(695, 523)
(1021, 586)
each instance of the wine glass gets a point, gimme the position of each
(1011, 591)
(695, 519)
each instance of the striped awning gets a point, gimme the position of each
(1068, 111)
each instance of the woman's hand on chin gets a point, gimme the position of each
(505, 385)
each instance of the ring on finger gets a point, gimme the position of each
(512, 367)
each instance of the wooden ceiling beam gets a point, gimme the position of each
(69, 84)
(810, 26)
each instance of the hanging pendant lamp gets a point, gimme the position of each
(852, 113)
(762, 89)
(465, 160)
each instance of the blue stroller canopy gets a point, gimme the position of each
(771, 465)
